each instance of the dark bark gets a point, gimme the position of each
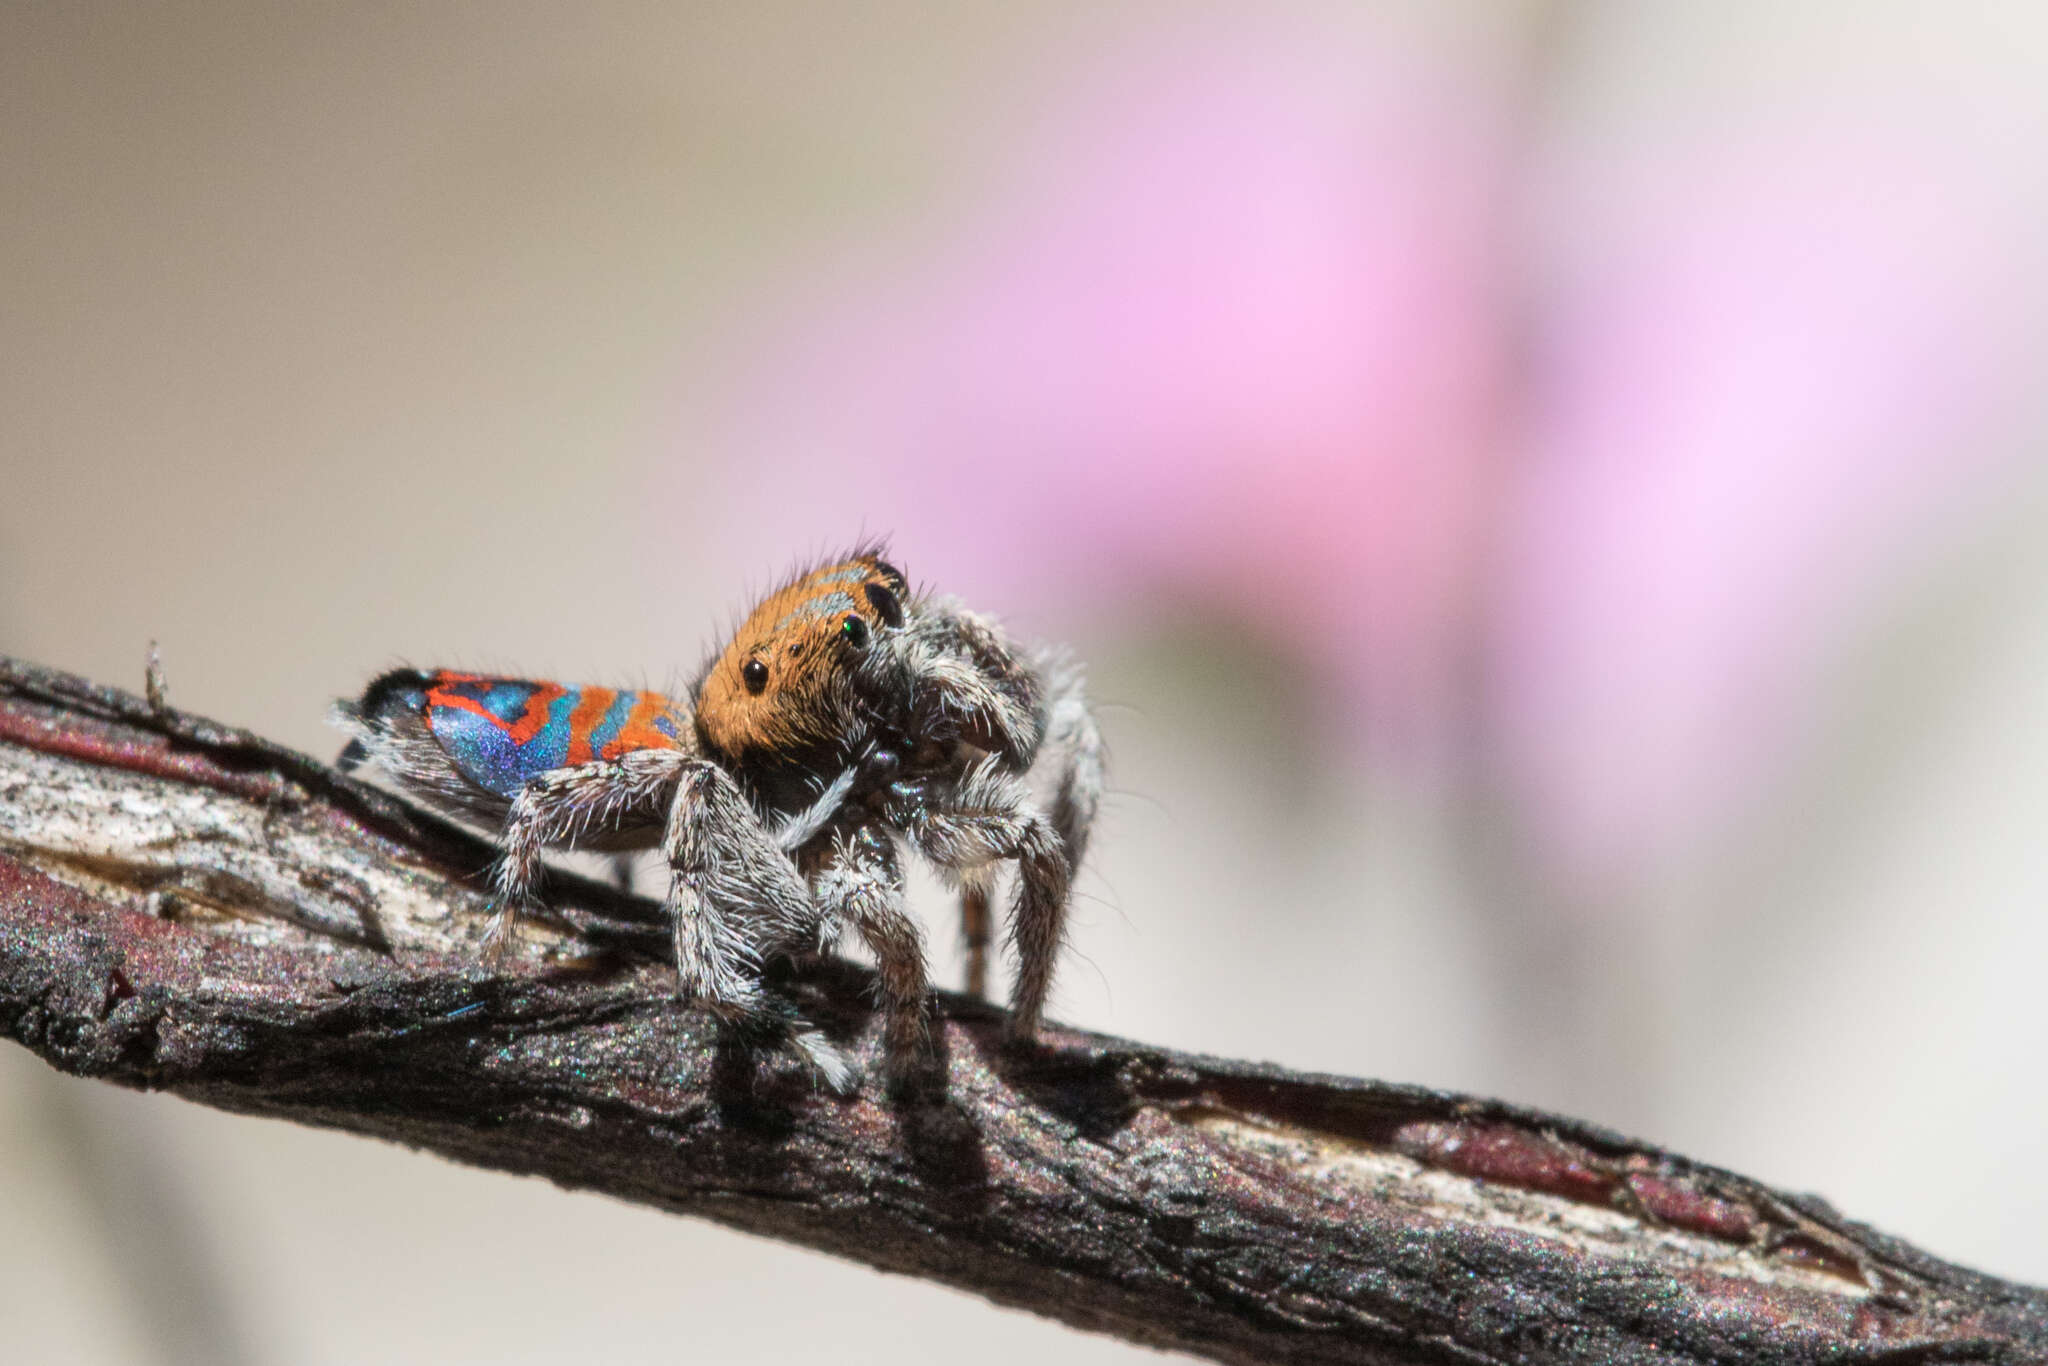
(186, 907)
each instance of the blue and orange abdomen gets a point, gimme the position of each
(501, 732)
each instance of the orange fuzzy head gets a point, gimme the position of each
(773, 688)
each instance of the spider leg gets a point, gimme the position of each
(1072, 736)
(735, 897)
(861, 882)
(717, 843)
(974, 929)
(563, 807)
(797, 830)
(1074, 744)
(988, 816)
(964, 671)
(967, 675)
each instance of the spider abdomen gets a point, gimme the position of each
(500, 733)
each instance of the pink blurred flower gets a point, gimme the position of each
(1229, 335)
(1771, 387)
(1236, 327)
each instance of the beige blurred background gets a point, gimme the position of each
(1551, 496)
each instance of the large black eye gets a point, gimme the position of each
(755, 675)
(855, 630)
(885, 605)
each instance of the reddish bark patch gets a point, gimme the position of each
(137, 751)
(1514, 1157)
(1534, 1161)
(1678, 1204)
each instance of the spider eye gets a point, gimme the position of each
(856, 632)
(885, 605)
(755, 675)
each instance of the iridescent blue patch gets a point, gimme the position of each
(503, 750)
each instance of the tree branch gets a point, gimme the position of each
(187, 907)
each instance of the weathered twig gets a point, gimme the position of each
(187, 907)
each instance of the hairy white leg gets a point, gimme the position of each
(715, 838)
(987, 817)
(564, 806)
(735, 896)
(862, 882)
(1074, 743)
(798, 830)
(962, 668)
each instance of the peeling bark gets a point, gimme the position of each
(186, 907)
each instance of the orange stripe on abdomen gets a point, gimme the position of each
(591, 706)
(533, 714)
(639, 731)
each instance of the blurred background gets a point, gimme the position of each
(1551, 494)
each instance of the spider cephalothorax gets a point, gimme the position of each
(783, 704)
(847, 718)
